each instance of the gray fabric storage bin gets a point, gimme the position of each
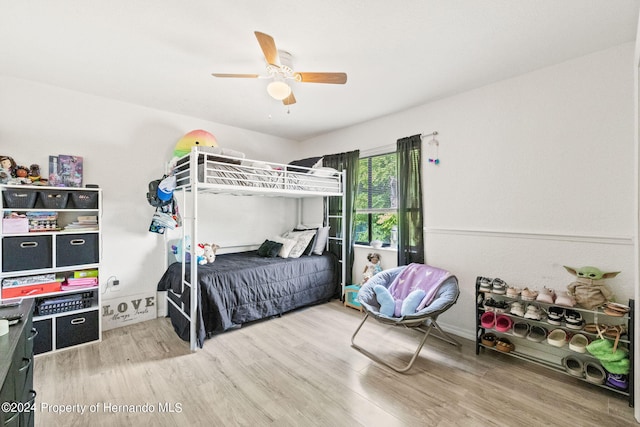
(76, 249)
(26, 253)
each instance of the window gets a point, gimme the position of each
(376, 199)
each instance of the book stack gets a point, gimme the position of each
(84, 223)
(81, 279)
(43, 221)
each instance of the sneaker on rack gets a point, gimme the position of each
(565, 300)
(621, 382)
(513, 292)
(546, 295)
(485, 284)
(489, 304)
(528, 294)
(498, 286)
(555, 315)
(533, 312)
(517, 309)
(501, 307)
(573, 320)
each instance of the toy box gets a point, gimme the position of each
(351, 297)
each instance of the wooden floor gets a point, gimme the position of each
(300, 370)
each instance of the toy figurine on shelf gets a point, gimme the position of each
(34, 175)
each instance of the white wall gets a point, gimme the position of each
(536, 172)
(125, 146)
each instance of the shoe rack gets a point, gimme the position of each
(554, 346)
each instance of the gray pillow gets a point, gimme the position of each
(321, 240)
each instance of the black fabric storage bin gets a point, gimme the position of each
(26, 253)
(76, 329)
(19, 198)
(84, 199)
(54, 199)
(76, 249)
(44, 340)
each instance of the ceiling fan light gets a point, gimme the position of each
(278, 90)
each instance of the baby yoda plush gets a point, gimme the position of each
(589, 289)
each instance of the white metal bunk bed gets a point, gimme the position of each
(203, 172)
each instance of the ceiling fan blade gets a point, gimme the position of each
(268, 46)
(289, 100)
(333, 78)
(243, 76)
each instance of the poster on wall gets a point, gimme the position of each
(65, 170)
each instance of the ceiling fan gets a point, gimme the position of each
(280, 69)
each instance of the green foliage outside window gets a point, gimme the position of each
(376, 198)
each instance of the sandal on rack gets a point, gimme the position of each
(489, 339)
(592, 328)
(557, 338)
(520, 329)
(503, 323)
(537, 333)
(578, 343)
(594, 373)
(573, 366)
(488, 320)
(504, 345)
(615, 309)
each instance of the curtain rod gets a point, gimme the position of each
(426, 135)
(389, 148)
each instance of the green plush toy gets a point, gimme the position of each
(589, 288)
(614, 360)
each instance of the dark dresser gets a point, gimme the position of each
(17, 397)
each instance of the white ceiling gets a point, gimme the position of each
(161, 53)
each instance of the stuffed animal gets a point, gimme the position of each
(589, 288)
(200, 259)
(210, 252)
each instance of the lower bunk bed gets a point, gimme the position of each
(243, 287)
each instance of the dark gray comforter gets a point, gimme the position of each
(243, 287)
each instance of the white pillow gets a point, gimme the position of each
(308, 226)
(324, 171)
(302, 241)
(287, 245)
(321, 240)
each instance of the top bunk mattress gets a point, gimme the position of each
(222, 173)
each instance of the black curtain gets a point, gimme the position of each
(410, 229)
(344, 162)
